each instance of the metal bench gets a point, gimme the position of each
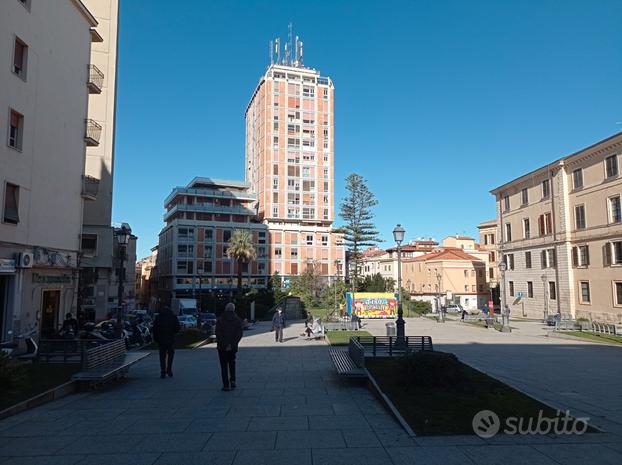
(388, 346)
(106, 362)
(341, 326)
(349, 362)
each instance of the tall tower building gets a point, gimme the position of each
(290, 163)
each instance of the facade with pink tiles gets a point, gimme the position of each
(290, 166)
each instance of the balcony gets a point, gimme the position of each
(209, 209)
(95, 81)
(90, 187)
(93, 133)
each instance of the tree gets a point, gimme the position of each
(356, 211)
(377, 283)
(242, 250)
(308, 286)
(275, 284)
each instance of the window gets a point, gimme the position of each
(466, 288)
(508, 232)
(527, 259)
(615, 214)
(506, 202)
(309, 239)
(294, 253)
(552, 290)
(275, 211)
(510, 261)
(579, 216)
(226, 235)
(530, 289)
(261, 237)
(473, 288)
(11, 204)
(511, 284)
(88, 245)
(580, 256)
(16, 129)
(611, 166)
(584, 296)
(466, 273)
(20, 56)
(545, 224)
(526, 231)
(546, 189)
(324, 240)
(275, 183)
(207, 251)
(548, 258)
(524, 196)
(613, 253)
(278, 252)
(618, 293)
(325, 93)
(577, 178)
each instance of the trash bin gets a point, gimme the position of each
(391, 331)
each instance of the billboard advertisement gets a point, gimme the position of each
(372, 304)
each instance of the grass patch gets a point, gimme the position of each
(437, 406)
(188, 339)
(342, 338)
(606, 338)
(39, 377)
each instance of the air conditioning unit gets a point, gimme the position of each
(24, 260)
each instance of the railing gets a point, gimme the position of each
(65, 350)
(95, 82)
(210, 193)
(208, 209)
(604, 328)
(380, 346)
(90, 187)
(93, 133)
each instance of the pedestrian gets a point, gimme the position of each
(278, 323)
(165, 326)
(228, 335)
(70, 326)
(464, 312)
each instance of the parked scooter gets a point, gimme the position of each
(22, 347)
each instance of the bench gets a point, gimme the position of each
(341, 326)
(349, 362)
(106, 362)
(389, 346)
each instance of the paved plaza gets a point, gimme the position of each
(290, 408)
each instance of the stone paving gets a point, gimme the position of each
(289, 408)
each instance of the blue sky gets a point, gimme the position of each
(436, 102)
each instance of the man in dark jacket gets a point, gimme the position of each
(165, 326)
(228, 335)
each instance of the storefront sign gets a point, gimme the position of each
(372, 304)
(51, 279)
(7, 265)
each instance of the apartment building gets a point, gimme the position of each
(375, 260)
(44, 82)
(448, 275)
(192, 251)
(146, 281)
(488, 245)
(290, 164)
(560, 231)
(99, 259)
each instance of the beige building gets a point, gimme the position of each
(146, 281)
(560, 231)
(45, 54)
(448, 275)
(98, 264)
(488, 245)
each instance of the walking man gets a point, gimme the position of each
(228, 335)
(165, 326)
(278, 323)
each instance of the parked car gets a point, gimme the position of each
(187, 321)
(454, 308)
(207, 320)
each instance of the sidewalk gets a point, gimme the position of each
(289, 408)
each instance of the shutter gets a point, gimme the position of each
(541, 225)
(543, 259)
(587, 255)
(549, 229)
(575, 256)
(607, 254)
(19, 56)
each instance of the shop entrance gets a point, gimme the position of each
(50, 304)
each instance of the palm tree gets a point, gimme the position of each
(242, 250)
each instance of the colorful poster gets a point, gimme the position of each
(372, 304)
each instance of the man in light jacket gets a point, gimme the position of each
(228, 335)
(278, 323)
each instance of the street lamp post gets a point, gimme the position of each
(398, 236)
(505, 328)
(200, 275)
(546, 299)
(123, 237)
(441, 315)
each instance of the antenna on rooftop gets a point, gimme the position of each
(271, 53)
(277, 49)
(296, 52)
(288, 46)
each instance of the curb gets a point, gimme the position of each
(48, 396)
(570, 337)
(376, 389)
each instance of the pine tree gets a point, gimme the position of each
(358, 230)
